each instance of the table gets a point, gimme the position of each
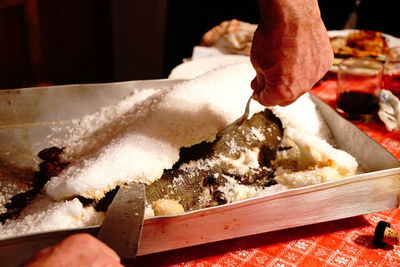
(346, 242)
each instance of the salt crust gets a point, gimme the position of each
(317, 152)
(233, 191)
(248, 159)
(181, 116)
(94, 130)
(44, 214)
(302, 116)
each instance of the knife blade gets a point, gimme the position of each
(123, 222)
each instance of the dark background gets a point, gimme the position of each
(94, 41)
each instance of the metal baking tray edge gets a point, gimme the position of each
(376, 190)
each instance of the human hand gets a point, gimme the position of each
(76, 250)
(291, 51)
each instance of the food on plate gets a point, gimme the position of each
(167, 140)
(233, 36)
(360, 43)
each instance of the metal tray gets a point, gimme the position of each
(26, 116)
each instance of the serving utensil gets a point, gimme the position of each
(237, 122)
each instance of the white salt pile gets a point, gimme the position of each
(93, 131)
(302, 116)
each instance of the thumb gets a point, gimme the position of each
(257, 84)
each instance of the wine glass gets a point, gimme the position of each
(359, 85)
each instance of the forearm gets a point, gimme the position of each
(276, 12)
(287, 19)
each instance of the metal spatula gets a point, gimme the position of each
(122, 225)
(237, 122)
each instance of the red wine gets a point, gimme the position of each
(354, 102)
(392, 82)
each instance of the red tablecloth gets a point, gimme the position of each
(346, 242)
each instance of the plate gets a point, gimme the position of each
(391, 40)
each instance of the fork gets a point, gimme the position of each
(234, 125)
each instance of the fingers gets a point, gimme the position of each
(77, 250)
(273, 94)
(289, 55)
(40, 258)
(91, 244)
(257, 84)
